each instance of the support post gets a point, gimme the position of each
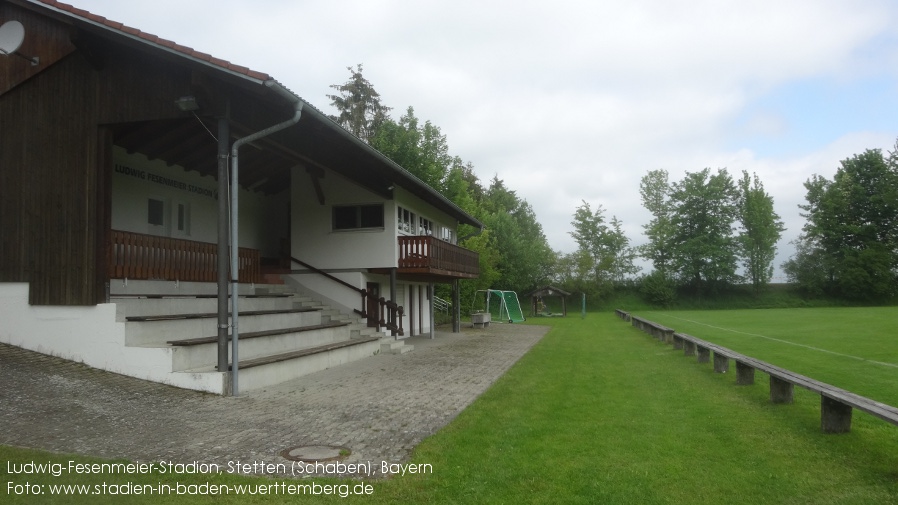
(677, 341)
(411, 310)
(224, 136)
(780, 390)
(721, 363)
(835, 417)
(704, 355)
(745, 375)
(456, 307)
(393, 298)
(431, 296)
(688, 348)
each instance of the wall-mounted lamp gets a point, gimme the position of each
(187, 103)
(12, 33)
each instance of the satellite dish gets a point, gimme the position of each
(12, 33)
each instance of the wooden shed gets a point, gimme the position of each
(537, 305)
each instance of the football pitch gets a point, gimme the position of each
(851, 348)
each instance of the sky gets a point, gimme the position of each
(575, 101)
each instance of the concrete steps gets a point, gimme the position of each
(282, 336)
(395, 347)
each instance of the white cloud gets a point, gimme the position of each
(568, 100)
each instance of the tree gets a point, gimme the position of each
(360, 110)
(654, 189)
(851, 233)
(761, 230)
(514, 252)
(604, 244)
(704, 246)
(808, 267)
(525, 258)
(423, 151)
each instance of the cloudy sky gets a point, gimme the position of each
(570, 101)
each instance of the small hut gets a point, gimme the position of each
(538, 306)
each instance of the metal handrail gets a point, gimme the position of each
(390, 312)
(441, 304)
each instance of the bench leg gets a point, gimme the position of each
(668, 336)
(780, 390)
(721, 363)
(835, 417)
(688, 348)
(704, 355)
(677, 342)
(745, 375)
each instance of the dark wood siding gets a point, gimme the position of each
(48, 163)
(55, 159)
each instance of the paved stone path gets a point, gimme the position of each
(380, 407)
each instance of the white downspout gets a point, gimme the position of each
(235, 334)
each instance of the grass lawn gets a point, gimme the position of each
(599, 412)
(852, 348)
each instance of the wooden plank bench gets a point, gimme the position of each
(209, 315)
(622, 314)
(836, 404)
(662, 333)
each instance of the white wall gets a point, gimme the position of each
(89, 335)
(315, 242)
(263, 219)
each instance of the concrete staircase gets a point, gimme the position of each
(283, 335)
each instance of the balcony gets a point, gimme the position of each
(429, 257)
(140, 256)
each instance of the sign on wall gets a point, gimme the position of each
(152, 178)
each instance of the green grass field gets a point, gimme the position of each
(852, 348)
(599, 412)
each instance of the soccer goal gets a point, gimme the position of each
(502, 305)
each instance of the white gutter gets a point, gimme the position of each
(235, 334)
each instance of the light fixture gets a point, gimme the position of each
(187, 103)
(12, 33)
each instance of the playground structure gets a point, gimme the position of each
(501, 305)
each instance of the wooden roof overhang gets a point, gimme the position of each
(223, 89)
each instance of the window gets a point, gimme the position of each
(406, 221)
(446, 234)
(413, 224)
(155, 212)
(184, 219)
(357, 217)
(425, 226)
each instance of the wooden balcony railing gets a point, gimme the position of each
(424, 254)
(140, 256)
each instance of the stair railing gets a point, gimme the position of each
(389, 313)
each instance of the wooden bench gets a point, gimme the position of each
(209, 315)
(836, 404)
(621, 314)
(662, 333)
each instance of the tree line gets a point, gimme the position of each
(514, 252)
(708, 233)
